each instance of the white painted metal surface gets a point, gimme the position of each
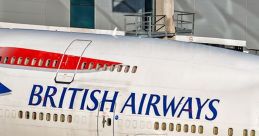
(60, 29)
(210, 40)
(176, 82)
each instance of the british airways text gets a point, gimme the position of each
(133, 103)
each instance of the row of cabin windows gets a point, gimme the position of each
(178, 127)
(47, 116)
(231, 132)
(54, 64)
(112, 68)
(193, 129)
(31, 62)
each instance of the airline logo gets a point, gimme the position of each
(133, 103)
(4, 90)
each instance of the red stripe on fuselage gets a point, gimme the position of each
(69, 62)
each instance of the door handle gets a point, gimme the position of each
(104, 121)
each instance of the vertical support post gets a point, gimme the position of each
(177, 20)
(165, 27)
(193, 20)
(181, 21)
(142, 23)
(149, 26)
(136, 25)
(125, 24)
(169, 12)
(154, 19)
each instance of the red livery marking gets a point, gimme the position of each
(43, 59)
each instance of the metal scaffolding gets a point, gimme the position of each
(149, 25)
(146, 25)
(184, 22)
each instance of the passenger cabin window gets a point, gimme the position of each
(69, 118)
(20, 114)
(91, 65)
(48, 117)
(5, 60)
(245, 132)
(127, 68)
(119, 68)
(0, 58)
(171, 127)
(55, 117)
(12, 60)
(134, 69)
(178, 127)
(62, 118)
(105, 67)
(200, 130)
(215, 130)
(19, 61)
(252, 133)
(112, 68)
(193, 129)
(98, 66)
(27, 115)
(83, 66)
(54, 64)
(33, 62)
(47, 63)
(40, 63)
(156, 126)
(185, 128)
(230, 132)
(26, 62)
(163, 126)
(34, 115)
(41, 116)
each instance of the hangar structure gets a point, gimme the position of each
(99, 14)
(232, 19)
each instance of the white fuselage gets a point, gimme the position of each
(73, 84)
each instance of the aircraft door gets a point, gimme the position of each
(105, 121)
(70, 61)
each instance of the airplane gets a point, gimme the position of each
(77, 84)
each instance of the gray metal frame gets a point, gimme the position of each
(184, 22)
(149, 25)
(145, 25)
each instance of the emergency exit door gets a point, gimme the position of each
(105, 121)
(70, 61)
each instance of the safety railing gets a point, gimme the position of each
(184, 22)
(149, 25)
(145, 24)
(252, 51)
